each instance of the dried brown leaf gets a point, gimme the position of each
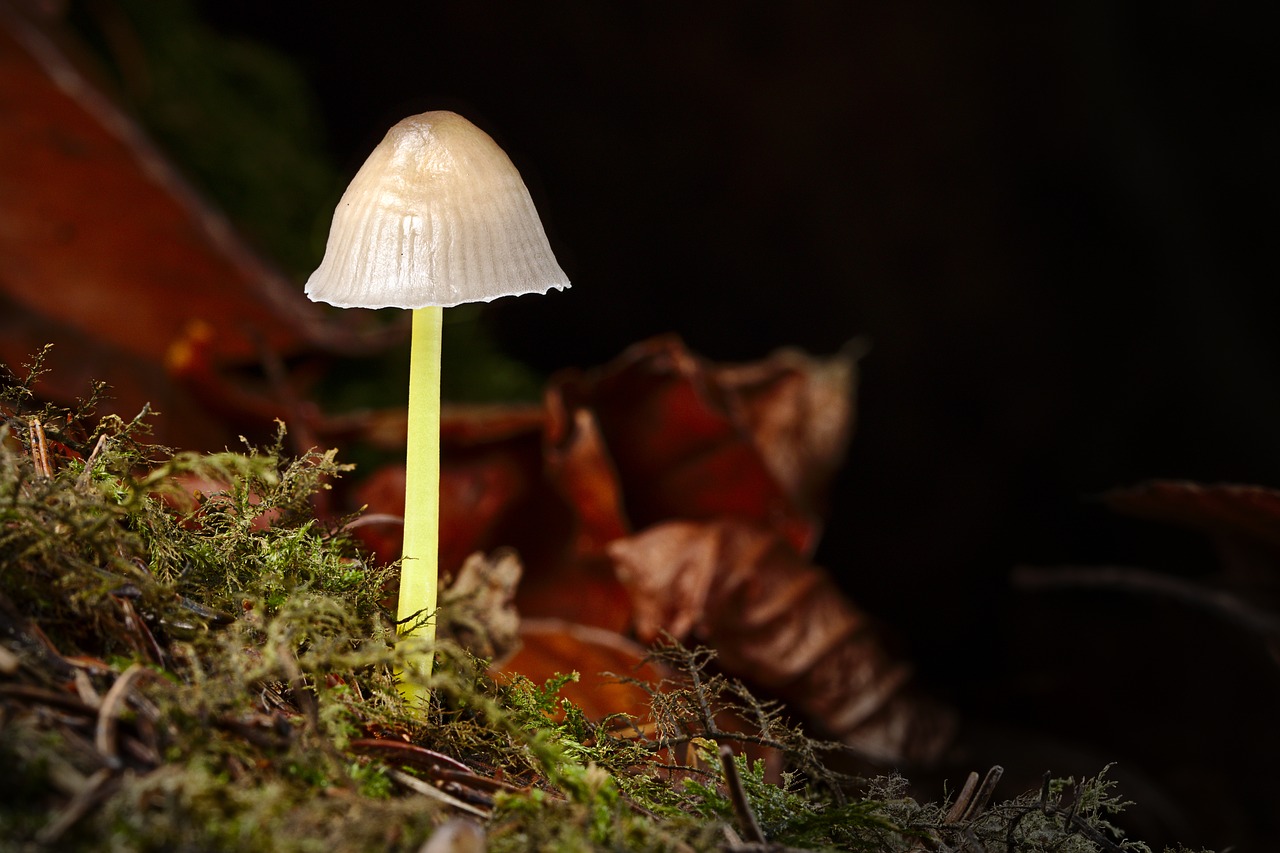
(554, 646)
(689, 440)
(478, 608)
(781, 623)
(1250, 512)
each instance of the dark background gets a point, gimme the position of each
(1054, 226)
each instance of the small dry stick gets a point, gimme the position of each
(106, 739)
(961, 804)
(1223, 604)
(984, 793)
(99, 786)
(83, 479)
(738, 794)
(413, 783)
(40, 449)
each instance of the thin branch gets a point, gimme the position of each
(961, 805)
(106, 739)
(1130, 579)
(415, 784)
(985, 792)
(100, 786)
(83, 480)
(738, 794)
(40, 449)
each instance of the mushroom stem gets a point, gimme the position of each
(419, 567)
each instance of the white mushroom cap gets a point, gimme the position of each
(437, 215)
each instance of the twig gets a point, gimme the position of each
(40, 449)
(306, 701)
(100, 786)
(438, 766)
(83, 479)
(413, 783)
(984, 793)
(738, 794)
(85, 690)
(958, 808)
(106, 738)
(409, 753)
(302, 696)
(719, 736)
(140, 636)
(1128, 579)
(708, 719)
(32, 693)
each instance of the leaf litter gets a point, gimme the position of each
(212, 667)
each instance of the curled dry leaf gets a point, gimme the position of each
(781, 623)
(799, 411)
(477, 610)
(687, 439)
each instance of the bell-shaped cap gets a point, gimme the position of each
(437, 215)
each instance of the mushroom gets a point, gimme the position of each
(437, 216)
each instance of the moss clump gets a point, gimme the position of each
(191, 660)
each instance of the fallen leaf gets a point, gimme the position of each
(686, 439)
(1248, 512)
(579, 465)
(800, 413)
(726, 468)
(106, 251)
(555, 646)
(477, 610)
(780, 623)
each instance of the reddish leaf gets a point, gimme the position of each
(107, 253)
(579, 465)
(1249, 512)
(687, 440)
(800, 413)
(553, 646)
(781, 623)
(479, 490)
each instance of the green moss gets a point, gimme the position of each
(251, 659)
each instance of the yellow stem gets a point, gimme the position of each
(420, 566)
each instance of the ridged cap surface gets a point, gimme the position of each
(437, 215)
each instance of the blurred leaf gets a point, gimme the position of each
(107, 252)
(781, 623)
(722, 470)
(551, 646)
(240, 118)
(688, 439)
(1248, 512)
